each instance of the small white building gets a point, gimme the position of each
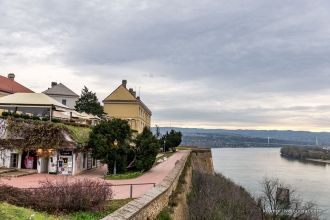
(70, 158)
(62, 94)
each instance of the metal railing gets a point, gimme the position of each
(131, 186)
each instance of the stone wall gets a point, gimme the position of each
(179, 208)
(202, 160)
(154, 201)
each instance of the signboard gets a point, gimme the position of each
(28, 162)
(52, 166)
(65, 165)
(66, 152)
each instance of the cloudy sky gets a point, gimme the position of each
(213, 63)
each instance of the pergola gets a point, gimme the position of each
(37, 104)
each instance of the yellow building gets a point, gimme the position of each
(123, 103)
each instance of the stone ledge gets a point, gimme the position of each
(152, 202)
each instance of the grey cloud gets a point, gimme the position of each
(224, 51)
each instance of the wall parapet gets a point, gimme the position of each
(149, 205)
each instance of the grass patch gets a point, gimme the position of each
(183, 148)
(110, 208)
(164, 215)
(122, 176)
(8, 211)
(78, 134)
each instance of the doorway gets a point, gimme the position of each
(29, 160)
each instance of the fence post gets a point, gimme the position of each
(131, 191)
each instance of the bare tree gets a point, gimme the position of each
(281, 201)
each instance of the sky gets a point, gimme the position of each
(252, 64)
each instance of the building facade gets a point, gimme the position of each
(123, 103)
(62, 94)
(67, 160)
(8, 86)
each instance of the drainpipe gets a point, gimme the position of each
(50, 113)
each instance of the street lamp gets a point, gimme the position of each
(164, 145)
(115, 143)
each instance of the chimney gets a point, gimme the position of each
(132, 92)
(54, 84)
(124, 82)
(138, 98)
(11, 76)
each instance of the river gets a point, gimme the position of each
(248, 166)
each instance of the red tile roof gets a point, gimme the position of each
(11, 86)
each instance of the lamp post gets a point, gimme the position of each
(115, 143)
(164, 145)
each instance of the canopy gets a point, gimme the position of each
(31, 100)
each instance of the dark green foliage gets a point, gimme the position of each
(35, 118)
(171, 140)
(24, 116)
(56, 120)
(304, 153)
(164, 215)
(16, 115)
(40, 134)
(110, 142)
(6, 114)
(89, 103)
(36, 134)
(147, 147)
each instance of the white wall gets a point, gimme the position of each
(70, 101)
(5, 158)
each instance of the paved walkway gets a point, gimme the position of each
(155, 175)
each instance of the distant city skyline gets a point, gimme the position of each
(207, 64)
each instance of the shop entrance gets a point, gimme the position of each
(29, 160)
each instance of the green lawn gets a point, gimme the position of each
(183, 148)
(113, 206)
(12, 212)
(127, 175)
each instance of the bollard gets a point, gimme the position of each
(131, 191)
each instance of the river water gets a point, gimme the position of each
(248, 166)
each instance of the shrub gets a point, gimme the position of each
(56, 120)
(60, 196)
(6, 114)
(16, 115)
(35, 118)
(13, 195)
(24, 116)
(216, 197)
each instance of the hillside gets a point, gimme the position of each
(249, 138)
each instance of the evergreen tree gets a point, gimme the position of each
(171, 140)
(89, 103)
(147, 147)
(110, 143)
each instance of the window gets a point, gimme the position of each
(84, 160)
(13, 160)
(64, 101)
